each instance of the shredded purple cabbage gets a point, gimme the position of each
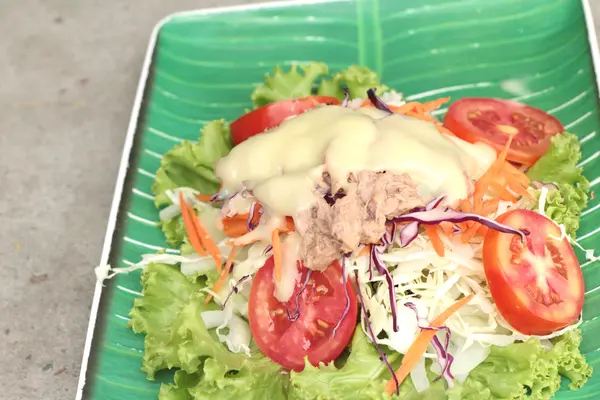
(437, 215)
(380, 105)
(347, 308)
(251, 215)
(375, 260)
(293, 317)
(444, 358)
(408, 233)
(346, 97)
(382, 355)
(267, 250)
(218, 197)
(235, 289)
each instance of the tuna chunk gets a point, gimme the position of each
(319, 248)
(370, 199)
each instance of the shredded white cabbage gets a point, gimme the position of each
(434, 283)
(235, 331)
(172, 211)
(418, 375)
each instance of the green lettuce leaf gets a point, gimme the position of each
(357, 79)
(363, 376)
(192, 164)
(564, 206)
(166, 291)
(559, 164)
(526, 371)
(288, 85)
(257, 378)
(571, 363)
(169, 313)
(180, 389)
(174, 230)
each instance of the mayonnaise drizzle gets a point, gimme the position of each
(283, 166)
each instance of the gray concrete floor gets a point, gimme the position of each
(68, 74)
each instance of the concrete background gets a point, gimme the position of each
(68, 74)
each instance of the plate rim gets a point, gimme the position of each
(134, 121)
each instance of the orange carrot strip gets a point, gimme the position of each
(224, 274)
(364, 251)
(419, 346)
(521, 190)
(437, 243)
(447, 228)
(469, 233)
(489, 207)
(190, 227)
(465, 206)
(516, 174)
(235, 226)
(406, 107)
(435, 104)
(277, 256)
(207, 242)
(482, 230)
(204, 197)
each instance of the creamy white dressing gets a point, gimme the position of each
(290, 251)
(283, 166)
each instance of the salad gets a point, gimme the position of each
(339, 241)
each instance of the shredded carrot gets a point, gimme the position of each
(277, 256)
(447, 228)
(419, 110)
(470, 232)
(224, 274)
(489, 206)
(465, 206)
(437, 243)
(235, 226)
(364, 251)
(190, 227)
(204, 197)
(482, 230)
(435, 104)
(207, 242)
(419, 346)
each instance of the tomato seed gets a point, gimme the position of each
(322, 323)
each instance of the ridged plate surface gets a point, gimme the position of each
(206, 64)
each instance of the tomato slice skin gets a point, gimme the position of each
(537, 286)
(490, 121)
(320, 306)
(271, 115)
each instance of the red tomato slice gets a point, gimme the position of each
(537, 285)
(271, 115)
(492, 120)
(320, 306)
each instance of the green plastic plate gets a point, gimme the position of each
(203, 65)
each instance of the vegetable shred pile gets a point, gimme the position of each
(340, 242)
